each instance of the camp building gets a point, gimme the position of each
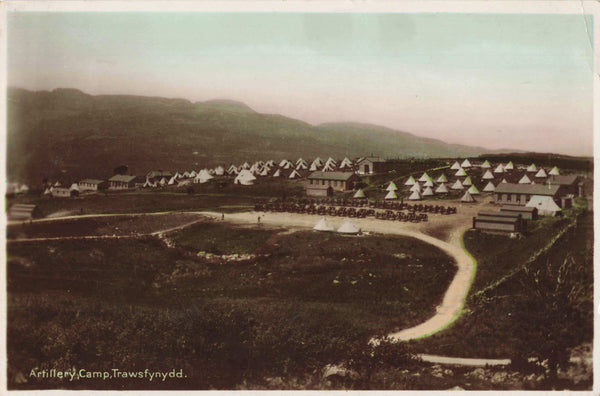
(370, 165)
(321, 184)
(90, 184)
(122, 182)
(520, 194)
(569, 184)
(499, 222)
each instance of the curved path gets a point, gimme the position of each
(456, 293)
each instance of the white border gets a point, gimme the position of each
(528, 7)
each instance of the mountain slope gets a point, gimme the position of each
(68, 131)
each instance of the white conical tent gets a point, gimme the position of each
(74, 187)
(391, 195)
(391, 187)
(346, 163)
(163, 181)
(488, 175)
(473, 190)
(455, 166)
(416, 187)
(465, 163)
(300, 161)
(461, 172)
(525, 180)
(457, 185)
(301, 166)
(203, 176)
(47, 191)
(509, 166)
(532, 168)
(486, 165)
(245, 165)
(277, 173)
(415, 196)
(219, 170)
(283, 163)
(270, 163)
(348, 227)
(323, 225)
(328, 167)
(545, 205)
(331, 161)
(294, 175)
(467, 197)
(359, 194)
(172, 181)
(467, 182)
(186, 174)
(193, 174)
(317, 161)
(428, 183)
(427, 192)
(232, 170)
(541, 173)
(554, 172)
(410, 182)
(489, 187)
(177, 175)
(441, 189)
(287, 165)
(245, 178)
(499, 169)
(442, 179)
(503, 181)
(424, 177)
(313, 167)
(265, 171)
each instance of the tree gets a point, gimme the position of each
(121, 170)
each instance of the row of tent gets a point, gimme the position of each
(347, 227)
(270, 168)
(466, 164)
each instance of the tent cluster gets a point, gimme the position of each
(347, 227)
(16, 188)
(246, 173)
(463, 177)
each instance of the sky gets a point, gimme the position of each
(521, 81)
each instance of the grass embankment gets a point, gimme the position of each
(133, 305)
(531, 297)
(102, 225)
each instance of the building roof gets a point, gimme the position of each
(485, 213)
(517, 208)
(343, 176)
(533, 189)
(563, 180)
(91, 181)
(122, 178)
(159, 173)
(371, 159)
(497, 219)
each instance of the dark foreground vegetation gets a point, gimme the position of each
(531, 298)
(301, 301)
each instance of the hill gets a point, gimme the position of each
(66, 131)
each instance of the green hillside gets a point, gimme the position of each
(66, 131)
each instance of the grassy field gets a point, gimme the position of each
(315, 299)
(221, 239)
(138, 202)
(531, 297)
(103, 225)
